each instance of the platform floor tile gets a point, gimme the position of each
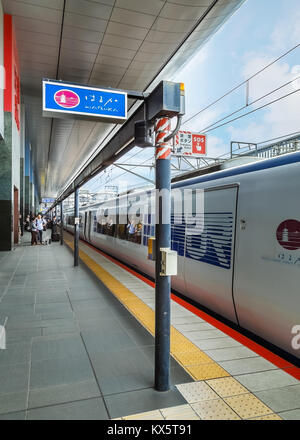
(181, 412)
(247, 366)
(191, 358)
(266, 380)
(196, 392)
(149, 415)
(21, 415)
(124, 404)
(281, 399)
(91, 409)
(290, 415)
(227, 386)
(214, 410)
(207, 354)
(268, 417)
(224, 354)
(206, 371)
(247, 406)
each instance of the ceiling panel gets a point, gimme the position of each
(104, 68)
(125, 30)
(33, 37)
(39, 49)
(117, 52)
(106, 77)
(204, 3)
(152, 7)
(82, 46)
(108, 43)
(168, 25)
(89, 8)
(33, 25)
(53, 4)
(76, 33)
(145, 56)
(157, 48)
(71, 63)
(84, 22)
(37, 57)
(121, 42)
(74, 54)
(31, 11)
(174, 11)
(112, 61)
(165, 37)
(132, 18)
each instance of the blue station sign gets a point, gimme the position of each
(65, 100)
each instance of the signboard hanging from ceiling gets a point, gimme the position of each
(65, 100)
(187, 143)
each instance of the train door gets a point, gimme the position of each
(209, 251)
(85, 226)
(89, 225)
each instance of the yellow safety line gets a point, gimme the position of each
(198, 365)
(195, 362)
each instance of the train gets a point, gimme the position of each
(238, 255)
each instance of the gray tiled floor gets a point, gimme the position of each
(73, 351)
(281, 399)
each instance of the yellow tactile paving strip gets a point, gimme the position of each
(219, 397)
(193, 360)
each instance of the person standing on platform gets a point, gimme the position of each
(34, 231)
(40, 227)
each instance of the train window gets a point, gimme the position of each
(71, 220)
(121, 231)
(134, 230)
(105, 224)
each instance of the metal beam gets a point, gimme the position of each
(108, 155)
(135, 174)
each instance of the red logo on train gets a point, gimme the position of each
(288, 234)
(66, 98)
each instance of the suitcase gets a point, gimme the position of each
(55, 237)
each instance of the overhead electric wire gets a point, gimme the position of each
(119, 175)
(241, 84)
(249, 113)
(280, 137)
(251, 103)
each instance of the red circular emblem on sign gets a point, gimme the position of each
(66, 98)
(288, 234)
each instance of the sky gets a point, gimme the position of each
(259, 32)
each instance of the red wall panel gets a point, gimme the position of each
(12, 75)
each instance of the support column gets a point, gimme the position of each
(61, 224)
(22, 219)
(76, 227)
(6, 190)
(163, 240)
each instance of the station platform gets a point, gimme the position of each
(80, 346)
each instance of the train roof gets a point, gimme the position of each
(264, 164)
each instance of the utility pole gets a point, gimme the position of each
(61, 224)
(76, 227)
(163, 241)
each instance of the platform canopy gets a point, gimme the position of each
(126, 44)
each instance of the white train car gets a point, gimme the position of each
(244, 264)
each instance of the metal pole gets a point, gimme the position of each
(76, 227)
(61, 224)
(163, 240)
